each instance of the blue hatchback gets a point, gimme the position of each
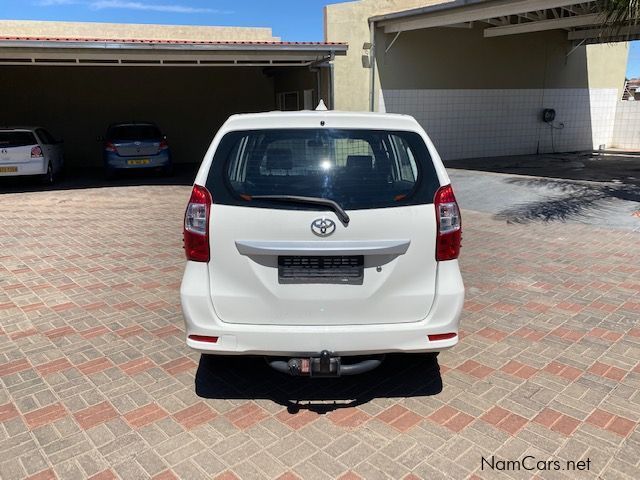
(136, 145)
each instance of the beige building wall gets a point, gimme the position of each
(607, 65)
(348, 22)
(18, 28)
(463, 58)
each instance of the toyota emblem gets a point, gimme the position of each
(323, 227)
(4, 151)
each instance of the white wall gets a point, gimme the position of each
(626, 133)
(467, 123)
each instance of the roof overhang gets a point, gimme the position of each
(581, 20)
(49, 51)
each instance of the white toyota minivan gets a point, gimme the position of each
(322, 240)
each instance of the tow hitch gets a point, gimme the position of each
(325, 365)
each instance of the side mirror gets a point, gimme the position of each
(164, 137)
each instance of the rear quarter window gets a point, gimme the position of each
(359, 169)
(17, 139)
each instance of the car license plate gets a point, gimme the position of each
(325, 269)
(8, 169)
(141, 161)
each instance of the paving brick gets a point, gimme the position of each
(195, 415)
(47, 474)
(95, 415)
(179, 365)
(246, 416)
(104, 475)
(7, 412)
(45, 415)
(94, 366)
(14, 367)
(143, 416)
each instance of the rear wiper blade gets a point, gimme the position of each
(335, 206)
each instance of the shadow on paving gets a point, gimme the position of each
(570, 166)
(81, 178)
(250, 378)
(573, 199)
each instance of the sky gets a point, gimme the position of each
(292, 20)
(633, 66)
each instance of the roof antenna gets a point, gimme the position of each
(321, 106)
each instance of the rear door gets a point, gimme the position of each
(281, 261)
(16, 145)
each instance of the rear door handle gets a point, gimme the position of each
(349, 247)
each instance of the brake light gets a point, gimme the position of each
(36, 152)
(196, 225)
(449, 224)
(110, 147)
(164, 145)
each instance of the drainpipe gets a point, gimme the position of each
(372, 54)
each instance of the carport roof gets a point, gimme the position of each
(581, 19)
(104, 51)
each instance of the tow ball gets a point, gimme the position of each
(324, 365)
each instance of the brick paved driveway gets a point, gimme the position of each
(96, 380)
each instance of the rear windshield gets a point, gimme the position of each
(357, 168)
(134, 132)
(17, 139)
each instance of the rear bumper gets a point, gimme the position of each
(284, 340)
(116, 162)
(37, 166)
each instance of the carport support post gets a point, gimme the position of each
(318, 68)
(372, 56)
(332, 86)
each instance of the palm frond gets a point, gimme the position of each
(619, 14)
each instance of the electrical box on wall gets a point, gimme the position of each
(548, 115)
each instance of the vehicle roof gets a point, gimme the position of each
(312, 119)
(19, 129)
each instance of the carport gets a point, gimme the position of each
(479, 74)
(76, 87)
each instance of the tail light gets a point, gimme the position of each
(110, 147)
(36, 152)
(449, 226)
(196, 225)
(164, 145)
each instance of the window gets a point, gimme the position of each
(356, 168)
(9, 139)
(45, 137)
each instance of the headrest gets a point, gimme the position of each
(360, 162)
